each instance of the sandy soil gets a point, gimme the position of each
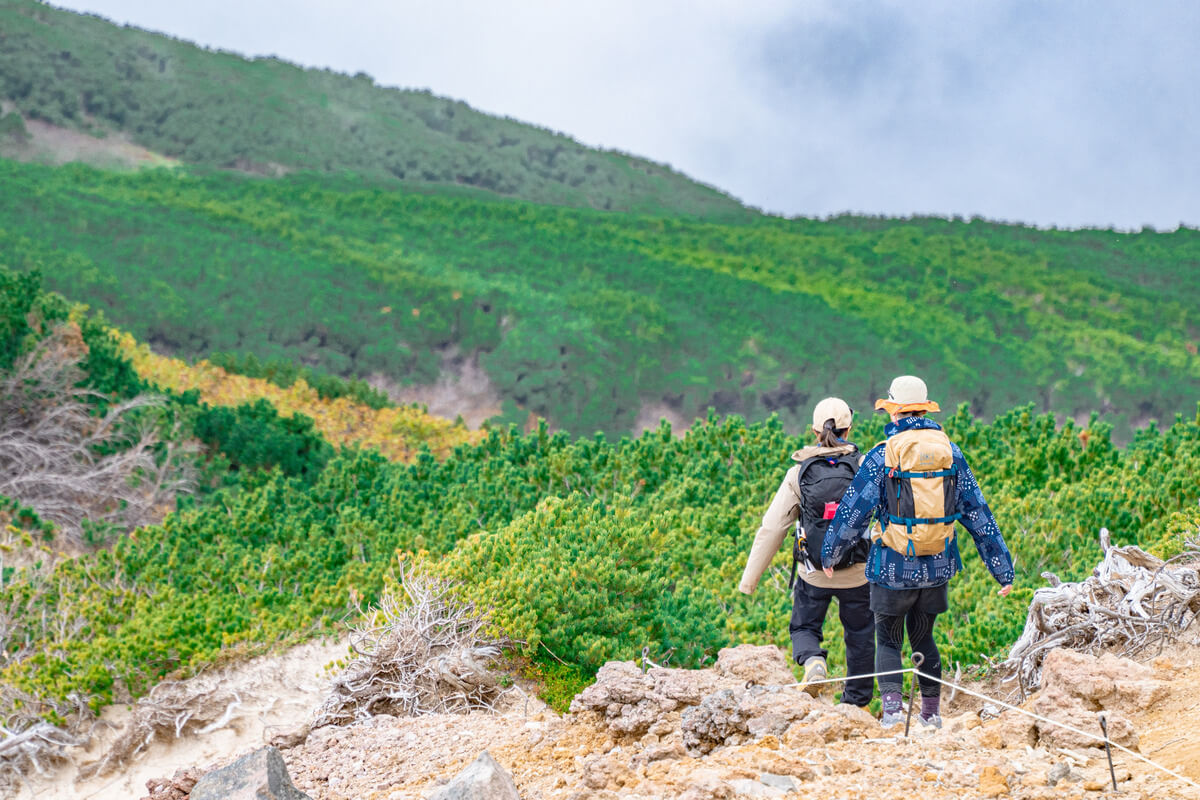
(463, 389)
(1170, 731)
(651, 415)
(277, 693)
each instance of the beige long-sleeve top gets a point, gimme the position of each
(777, 522)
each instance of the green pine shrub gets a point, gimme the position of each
(255, 436)
(580, 577)
(284, 373)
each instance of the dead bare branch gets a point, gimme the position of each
(69, 463)
(197, 705)
(429, 655)
(29, 744)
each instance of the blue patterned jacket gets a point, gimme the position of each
(864, 500)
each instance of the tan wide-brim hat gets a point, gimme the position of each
(907, 393)
(834, 408)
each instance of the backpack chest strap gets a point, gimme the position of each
(896, 472)
(909, 522)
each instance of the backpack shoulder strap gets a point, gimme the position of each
(804, 465)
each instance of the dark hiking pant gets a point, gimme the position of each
(914, 609)
(809, 605)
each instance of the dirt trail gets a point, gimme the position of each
(277, 693)
(835, 752)
(648, 745)
(1170, 730)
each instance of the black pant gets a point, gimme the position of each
(916, 610)
(809, 605)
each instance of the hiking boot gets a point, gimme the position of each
(891, 720)
(814, 670)
(933, 722)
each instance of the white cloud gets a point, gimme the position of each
(1064, 113)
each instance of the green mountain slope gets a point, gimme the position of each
(265, 115)
(586, 317)
(587, 549)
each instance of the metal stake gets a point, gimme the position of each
(917, 660)
(1108, 750)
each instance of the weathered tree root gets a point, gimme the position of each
(198, 705)
(1131, 601)
(431, 655)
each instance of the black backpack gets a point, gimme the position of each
(823, 480)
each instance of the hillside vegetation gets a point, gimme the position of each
(587, 318)
(587, 549)
(398, 433)
(265, 115)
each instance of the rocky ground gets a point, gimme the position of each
(738, 730)
(707, 734)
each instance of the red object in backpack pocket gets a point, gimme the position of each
(830, 510)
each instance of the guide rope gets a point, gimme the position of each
(915, 670)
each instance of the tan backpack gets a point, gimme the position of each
(921, 487)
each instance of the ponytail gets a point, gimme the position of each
(830, 436)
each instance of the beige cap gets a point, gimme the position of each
(907, 393)
(833, 408)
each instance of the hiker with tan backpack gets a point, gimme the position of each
(808, 499)
(915, 486)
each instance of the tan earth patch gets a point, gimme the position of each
(1168, 730)
(56, 145)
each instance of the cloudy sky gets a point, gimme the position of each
(1057, 112)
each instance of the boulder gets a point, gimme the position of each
(992, 782)
(606, 772)
(706, 784)
(685, 686)
(764, 665)
(625, 698)
(1120, 729)
(724, 717)
(1010, 730)
(483, 779)
(632, 703)
(1107, 682)
(712, 722)
(1077, 686)
(260, 775)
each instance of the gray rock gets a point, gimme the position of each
(785, 782)
(260, 775)
(1059, 773)
(744, 787)
(712, 722)
(483, 779)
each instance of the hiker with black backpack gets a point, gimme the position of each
(806, 502)
(910, 491)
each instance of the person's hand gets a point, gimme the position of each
(828, 572)
(1004, 590)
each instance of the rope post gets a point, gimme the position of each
(917, 660)
(1112, 773)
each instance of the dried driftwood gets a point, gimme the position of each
(1130, 601)
(431, 655)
